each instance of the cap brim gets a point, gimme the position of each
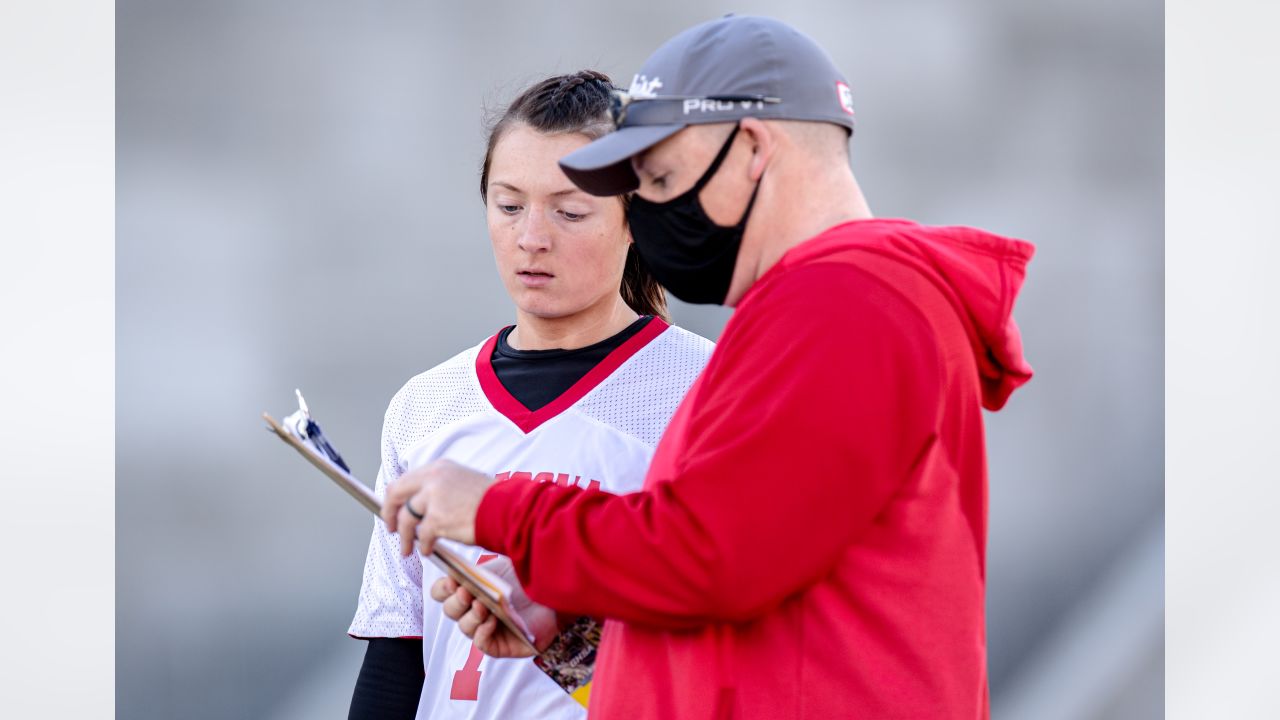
(603, 167)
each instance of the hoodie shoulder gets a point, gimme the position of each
(978, 273)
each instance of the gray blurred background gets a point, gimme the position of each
(298, 207)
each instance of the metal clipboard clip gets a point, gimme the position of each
(301, 426)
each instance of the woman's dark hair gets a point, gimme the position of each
(577, 103)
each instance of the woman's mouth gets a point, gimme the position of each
(534, 278)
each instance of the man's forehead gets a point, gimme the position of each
(683, 145)
(643, 159)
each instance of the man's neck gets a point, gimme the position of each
(803, 203)
(579, 330)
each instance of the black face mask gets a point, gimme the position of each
(688, 253)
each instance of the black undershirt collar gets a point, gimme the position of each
(536, 377)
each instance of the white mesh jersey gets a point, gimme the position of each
(600, 434)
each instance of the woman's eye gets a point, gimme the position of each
(572, 217)
(660, 181)
(509, 209)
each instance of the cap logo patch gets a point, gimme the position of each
(642, 86)
(845, 96)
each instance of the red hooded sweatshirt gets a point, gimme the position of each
(811, 538)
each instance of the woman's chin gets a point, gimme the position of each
(544, 307)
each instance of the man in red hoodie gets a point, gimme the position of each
(811, 538)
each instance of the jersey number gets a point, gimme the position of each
(466, 682)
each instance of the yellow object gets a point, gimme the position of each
(582, 694)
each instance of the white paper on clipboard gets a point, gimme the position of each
(300, 432)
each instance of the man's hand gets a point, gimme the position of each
(445, 494)
(476, 622)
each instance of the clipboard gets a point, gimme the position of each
(486, 587)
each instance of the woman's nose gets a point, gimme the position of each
(535, 235)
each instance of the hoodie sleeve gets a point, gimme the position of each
(816, 406)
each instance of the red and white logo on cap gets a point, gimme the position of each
(846, 96)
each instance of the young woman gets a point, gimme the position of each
(577, 392)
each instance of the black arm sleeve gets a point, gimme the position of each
(390, 681)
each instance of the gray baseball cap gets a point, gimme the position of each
(719, 71)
